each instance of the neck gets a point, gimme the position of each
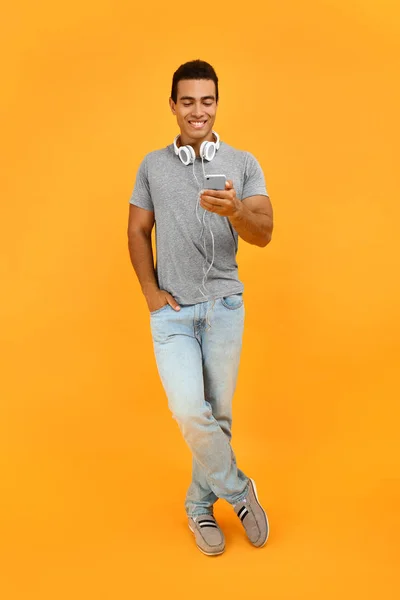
(184, 141)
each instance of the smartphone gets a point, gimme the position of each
(215, 182)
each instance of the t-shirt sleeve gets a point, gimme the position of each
(141, 192)
(254, 181)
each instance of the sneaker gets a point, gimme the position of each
(253, 517)
(209, 537)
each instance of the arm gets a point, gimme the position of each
(252, 217)
(253, 220)
(140, 225)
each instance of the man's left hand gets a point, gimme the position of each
(223, 202)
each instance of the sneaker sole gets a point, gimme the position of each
(258, 502)
(208, 553)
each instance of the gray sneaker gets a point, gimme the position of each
(209, 537)
(253, 517)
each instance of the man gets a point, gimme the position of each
(197, 328)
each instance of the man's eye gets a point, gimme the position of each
(205, 104)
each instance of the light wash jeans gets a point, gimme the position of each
(198, 368)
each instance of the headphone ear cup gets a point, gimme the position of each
(207, 150)
(187, 155)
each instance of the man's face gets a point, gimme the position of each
(195, 108)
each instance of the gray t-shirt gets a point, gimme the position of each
(168, 187)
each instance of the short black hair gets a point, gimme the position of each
(194, 69)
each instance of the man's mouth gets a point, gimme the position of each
(197, 124)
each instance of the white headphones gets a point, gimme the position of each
(188, 155)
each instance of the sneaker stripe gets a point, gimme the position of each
(208, 525)
(241, 511)
(244, 514)
(206, 521)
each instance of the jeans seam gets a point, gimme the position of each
(244, 493)
(159, 309)
(232, 307)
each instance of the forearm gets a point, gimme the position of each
(253, 227)
(141, 254)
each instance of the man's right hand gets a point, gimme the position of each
(157, 298)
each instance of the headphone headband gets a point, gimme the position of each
(207, 150)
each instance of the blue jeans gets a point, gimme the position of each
(198, 368)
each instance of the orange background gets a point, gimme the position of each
(89, 451)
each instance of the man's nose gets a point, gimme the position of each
(197, 111)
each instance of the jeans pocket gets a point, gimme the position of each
(233, 301)
(154, 312)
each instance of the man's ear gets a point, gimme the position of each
(172, 106)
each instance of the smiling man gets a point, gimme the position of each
(198, 355)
